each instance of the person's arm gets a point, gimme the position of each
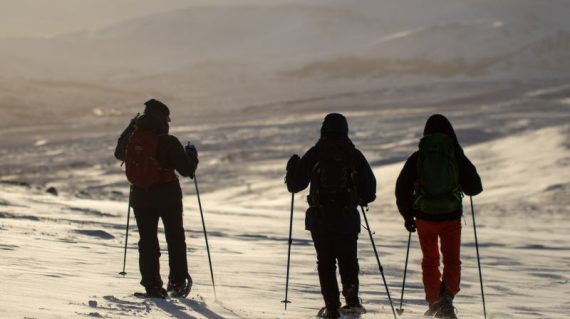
(365, 180)
(468, 176)
(184, 163)
(121, 147)
(405, 187)
(299, 171)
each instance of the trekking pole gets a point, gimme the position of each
(478, 258)
(286, 301)
(205, 236)
(123, 273)
(378, 260)
(400, 310)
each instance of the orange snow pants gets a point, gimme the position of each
(449, 233)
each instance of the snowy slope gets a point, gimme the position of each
(250, 85)
(60, 255)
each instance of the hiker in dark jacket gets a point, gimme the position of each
(437, 216)
(163, 200)
(334, 227)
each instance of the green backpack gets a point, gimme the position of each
(438, 190)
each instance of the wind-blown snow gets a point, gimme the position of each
(60, 255)
(221, 58)
(250, 84)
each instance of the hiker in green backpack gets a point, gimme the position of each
(429, 193)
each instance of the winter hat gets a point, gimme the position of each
(335, 124)
(156, 108)
(438, 123)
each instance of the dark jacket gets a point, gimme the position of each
(318, 219)
(170, 154)
(468, 177)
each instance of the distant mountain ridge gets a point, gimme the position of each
(231, 57)
(296, 36)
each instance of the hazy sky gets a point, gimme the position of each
(51, 17)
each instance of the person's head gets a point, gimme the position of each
(334, 126)
(156, 116)
(438, 123)
(157, 109)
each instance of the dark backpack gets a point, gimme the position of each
(333, 183)
(142, 167)
(437, 190)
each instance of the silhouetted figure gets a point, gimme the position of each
(341, 179)
(429, 193)
(151, 158)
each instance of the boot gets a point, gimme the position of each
(446, 309)
(432, 310)
(156, 292)
(353, 306)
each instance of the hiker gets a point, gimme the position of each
(429, 193)
(340, 179)
(151, 156)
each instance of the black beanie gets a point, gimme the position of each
(156, 108)
(335, 124)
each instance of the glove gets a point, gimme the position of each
(410, 225)
(191, 150)
(133, 122)
(131, 128)
(292, 162)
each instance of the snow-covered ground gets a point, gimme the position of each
(250, 84)
(60, 255)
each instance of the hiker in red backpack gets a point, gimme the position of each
(429, 193)
(151, 157)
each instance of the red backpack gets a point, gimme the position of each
(142, 167)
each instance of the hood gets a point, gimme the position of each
(334, 126)
(438, 123)
(150, 122)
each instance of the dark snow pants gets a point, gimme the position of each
(149, 250)
(331, 247)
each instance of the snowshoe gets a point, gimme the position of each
(446, 310)
(357, 309)
(328, 313)
(154, 292)
(432, 310)
(180, 289)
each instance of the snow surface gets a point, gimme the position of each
(60, 255)
(250, 84)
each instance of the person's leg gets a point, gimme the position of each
(346, 252)
(450, 249)
(324, 245)
(428, 237)
(149, 250)
(175, 238)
